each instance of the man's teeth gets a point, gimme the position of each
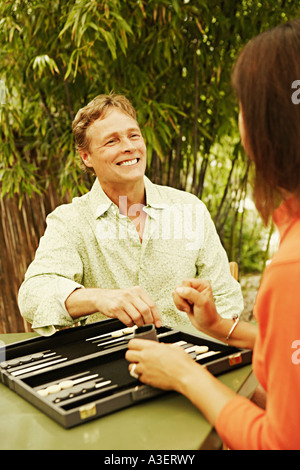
(129, 162)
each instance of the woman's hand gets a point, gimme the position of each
(160, 365)
(195, 297)
(168, 367)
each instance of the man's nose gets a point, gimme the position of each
(127, 145)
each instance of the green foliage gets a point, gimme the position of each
(173, 60)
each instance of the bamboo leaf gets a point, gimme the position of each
(42, 63)
(110, 41)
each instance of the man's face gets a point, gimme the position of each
(117, 150)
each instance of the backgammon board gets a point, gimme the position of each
(79, 374)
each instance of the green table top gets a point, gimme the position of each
(168, 422)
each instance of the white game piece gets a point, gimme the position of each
(66, 384)
(129, 330)
(54, 388)
(116, 334)
(43, 392)
(201, 349)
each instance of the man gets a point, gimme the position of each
(120, 250)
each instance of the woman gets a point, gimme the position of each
(269, 123)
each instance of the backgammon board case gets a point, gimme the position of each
(79, 374)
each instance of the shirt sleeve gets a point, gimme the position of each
(54, 274)
(244, 433)
(213, 265)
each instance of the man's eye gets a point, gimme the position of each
(111, 141)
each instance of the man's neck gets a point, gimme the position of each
(126, 195)
(131, 200)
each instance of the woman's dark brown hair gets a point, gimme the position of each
(262, 79)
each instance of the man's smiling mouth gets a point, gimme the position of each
(128, 162)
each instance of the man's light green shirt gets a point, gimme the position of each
(87, 243)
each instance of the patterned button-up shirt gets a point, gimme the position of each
(88, 243)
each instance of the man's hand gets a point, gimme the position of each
(132, 305)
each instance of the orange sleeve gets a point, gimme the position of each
(239, 424)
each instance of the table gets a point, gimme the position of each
(168, 422)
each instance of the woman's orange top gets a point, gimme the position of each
(276, 356)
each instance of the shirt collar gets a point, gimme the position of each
(100, 202)
(153, 196)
